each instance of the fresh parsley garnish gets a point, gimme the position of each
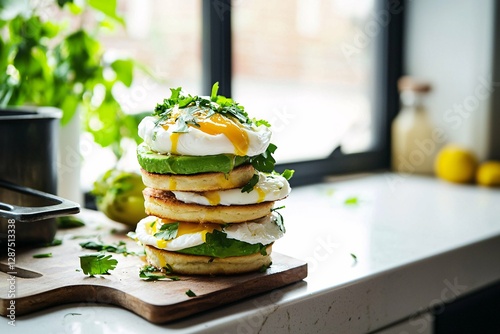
(264, 267)
(288, 173)
(167, 231)
(190, 293)
(97, 264)
(265, 162)
(168, 269)
(39, 256)
(215, 104)
(150, 273)
(279, 221)
(251, 184)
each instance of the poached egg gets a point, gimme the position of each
(270, 187)
(264, 231)
(212, 134)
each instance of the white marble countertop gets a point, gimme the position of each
(419, 242)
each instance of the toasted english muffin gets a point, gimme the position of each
(206, 265)
(163, 204)
(236, 178)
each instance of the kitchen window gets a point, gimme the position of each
(323, 72)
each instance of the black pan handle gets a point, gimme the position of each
(61, 206)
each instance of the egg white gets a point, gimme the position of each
(198, 143)
(264, 231)
(270, 187)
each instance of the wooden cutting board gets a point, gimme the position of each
(45, 282)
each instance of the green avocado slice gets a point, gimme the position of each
(186, 164)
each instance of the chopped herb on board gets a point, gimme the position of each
(190, 293)
(39, 256)
(97, 264)
(150, 273)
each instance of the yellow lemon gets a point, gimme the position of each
(488, 174)
(455, 164)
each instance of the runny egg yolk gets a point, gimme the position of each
(262, 194)
(188, 228)
(217, 124)
(184, 228)
(174, 138)
(213, 197)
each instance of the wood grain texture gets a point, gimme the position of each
(46, 282)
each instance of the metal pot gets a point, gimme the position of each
(28, 174)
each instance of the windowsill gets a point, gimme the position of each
(419, 242)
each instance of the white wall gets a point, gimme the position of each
(450, 43)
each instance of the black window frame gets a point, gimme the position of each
(217, 66)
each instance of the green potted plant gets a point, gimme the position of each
(50, 55)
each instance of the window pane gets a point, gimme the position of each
(307, 66)
(165, 36)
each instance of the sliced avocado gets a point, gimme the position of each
(186, 164)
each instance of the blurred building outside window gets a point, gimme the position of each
(293, 64)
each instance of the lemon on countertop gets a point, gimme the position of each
(455, 164)
(488, 174)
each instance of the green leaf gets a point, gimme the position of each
(61, 3)
(108, 8)
(39, 256)
(217, 244)
(69, 222)
(259, 122)
(351, 201)
(124, 69)
(119, 248)
(215, 89)
(55, 242)
(288, 173)
(265, 162)
(190, 293)
(278, 219)
(150, 273)
(97, 264)
(251, 184)
(167, 231)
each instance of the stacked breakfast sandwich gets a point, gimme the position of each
(210, 187)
